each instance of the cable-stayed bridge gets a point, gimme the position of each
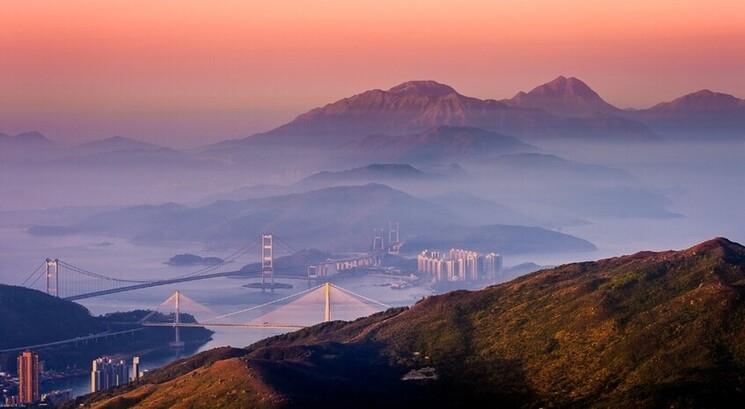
(322, 303)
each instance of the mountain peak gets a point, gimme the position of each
(709, 95)
(565, 85)
(704, 93)
(119, 138)
(564, 96)
(704, 101)
(717, 245)
(423, 87)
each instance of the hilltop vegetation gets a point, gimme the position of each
(647, 330)
(31, 317)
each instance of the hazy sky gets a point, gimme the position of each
(185, 73)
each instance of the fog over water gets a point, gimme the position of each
(622, 198)
(696, 190)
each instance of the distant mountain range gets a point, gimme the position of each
(411, 107)
(648, 330)
(564, 107)
(377, 172)
(25, 139)
(340, 218)
(116, 144)
(17, 148)
(430, 122)
(383, 173)
(33, 147)
(512, 180)
(440, 144)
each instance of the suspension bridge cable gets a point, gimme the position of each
(228, 259)
(34, 272)
(38, 276)
(91, 274)
(100, 276)
(344, 290)
(284, 244)
(230, 314)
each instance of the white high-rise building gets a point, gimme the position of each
(492, 266)
(107, 373)
(135, 368)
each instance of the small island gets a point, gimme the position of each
(181, 260)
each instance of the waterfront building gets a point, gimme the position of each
(492, 266)
(107, 373)
(29, 372)
(135, 368)
(459, 265)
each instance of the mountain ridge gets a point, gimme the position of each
(33, 139)
(415, 106)
(442, 143)
(646, 330)
(357, 210)
(703, 113)
(118, 144)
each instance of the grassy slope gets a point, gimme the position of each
(646, 330)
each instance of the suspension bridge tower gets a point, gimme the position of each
(394, 238)
(378, 240)
(52, 274)
(267, 260)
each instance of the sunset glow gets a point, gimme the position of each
(206, 71)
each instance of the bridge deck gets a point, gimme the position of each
(200, 325)
(158, 283)
(72, 340)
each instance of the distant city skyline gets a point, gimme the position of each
(192, 73)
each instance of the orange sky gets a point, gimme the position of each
(183, 72)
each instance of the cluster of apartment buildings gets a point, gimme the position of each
(459, 265)
(105, 373)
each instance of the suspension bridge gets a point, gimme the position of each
(66, 280)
